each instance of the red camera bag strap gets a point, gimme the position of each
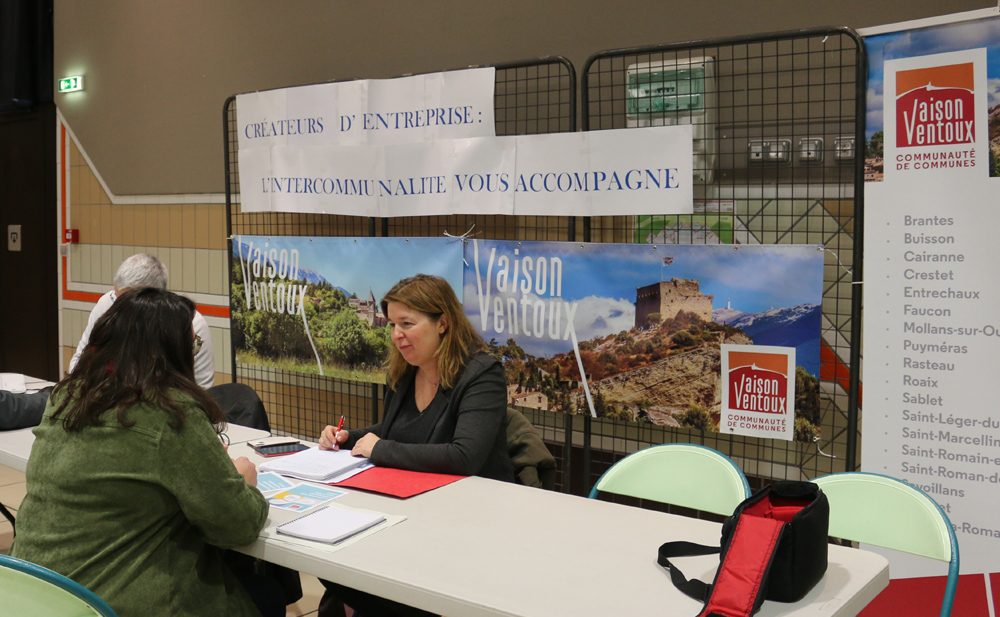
(741, 575)
(738, 588)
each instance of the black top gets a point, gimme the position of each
(411, 424)
(461, 432)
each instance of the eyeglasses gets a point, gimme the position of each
(196, 346)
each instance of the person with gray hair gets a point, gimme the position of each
(141, 270)
(144, 270)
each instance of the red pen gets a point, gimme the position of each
(340, 425)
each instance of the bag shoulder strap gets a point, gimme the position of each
(699, 590)
(739, 586)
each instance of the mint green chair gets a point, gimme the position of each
(883, 511)
(680, 474)
(28, 590)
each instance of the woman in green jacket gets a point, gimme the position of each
(130, 491)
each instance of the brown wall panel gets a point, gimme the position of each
(29, 330)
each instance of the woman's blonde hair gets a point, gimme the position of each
(434, 297)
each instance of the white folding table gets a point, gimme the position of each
(481, 547)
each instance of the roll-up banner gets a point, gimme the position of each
(931, 330)
(426, 145)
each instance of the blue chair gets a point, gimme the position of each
(680, 474)
(887, 512)
(29, 590)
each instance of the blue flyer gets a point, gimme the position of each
(302, 497)
(271, 481)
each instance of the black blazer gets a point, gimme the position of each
(468, 436)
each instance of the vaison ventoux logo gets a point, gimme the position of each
(758, 391)
(759, 388)
(935, 106)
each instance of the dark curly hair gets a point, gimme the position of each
(141, 351)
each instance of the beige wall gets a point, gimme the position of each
(157, 73)
(189, 237)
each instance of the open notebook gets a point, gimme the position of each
(315, 464)
(330, 524)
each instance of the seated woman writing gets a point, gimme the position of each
(445, 407)
(130, 491)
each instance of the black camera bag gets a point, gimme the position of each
(773, 547)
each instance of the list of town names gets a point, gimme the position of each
(931, 335)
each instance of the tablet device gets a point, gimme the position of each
(257, 444)
(280, 449)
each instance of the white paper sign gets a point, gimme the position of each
(426, 145)
(615, 172)
(626, 171)
(419, 108)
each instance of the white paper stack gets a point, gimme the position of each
(12, 382)
(315, 464)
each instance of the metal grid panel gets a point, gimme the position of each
(531, 97)
(801, 93)
(793, 86)
(301, 405)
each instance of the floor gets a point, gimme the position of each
(12, 492)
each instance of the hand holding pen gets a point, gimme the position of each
(331, 438)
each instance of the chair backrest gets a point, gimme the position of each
(241, 404)
(883, 511)
(681, 474)
(29, 590)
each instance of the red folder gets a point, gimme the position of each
(397, 482)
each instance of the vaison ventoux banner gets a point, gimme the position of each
(931, 290)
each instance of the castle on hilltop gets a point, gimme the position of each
(669, 298)
(368, 310)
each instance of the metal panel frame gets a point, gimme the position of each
(788, 85)
(531, 97)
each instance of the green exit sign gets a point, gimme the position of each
(71, 84)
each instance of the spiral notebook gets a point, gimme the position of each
(315, 464)
(330, 524)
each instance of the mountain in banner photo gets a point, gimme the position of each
(794, 326)
(726, 315)
(305, 275)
